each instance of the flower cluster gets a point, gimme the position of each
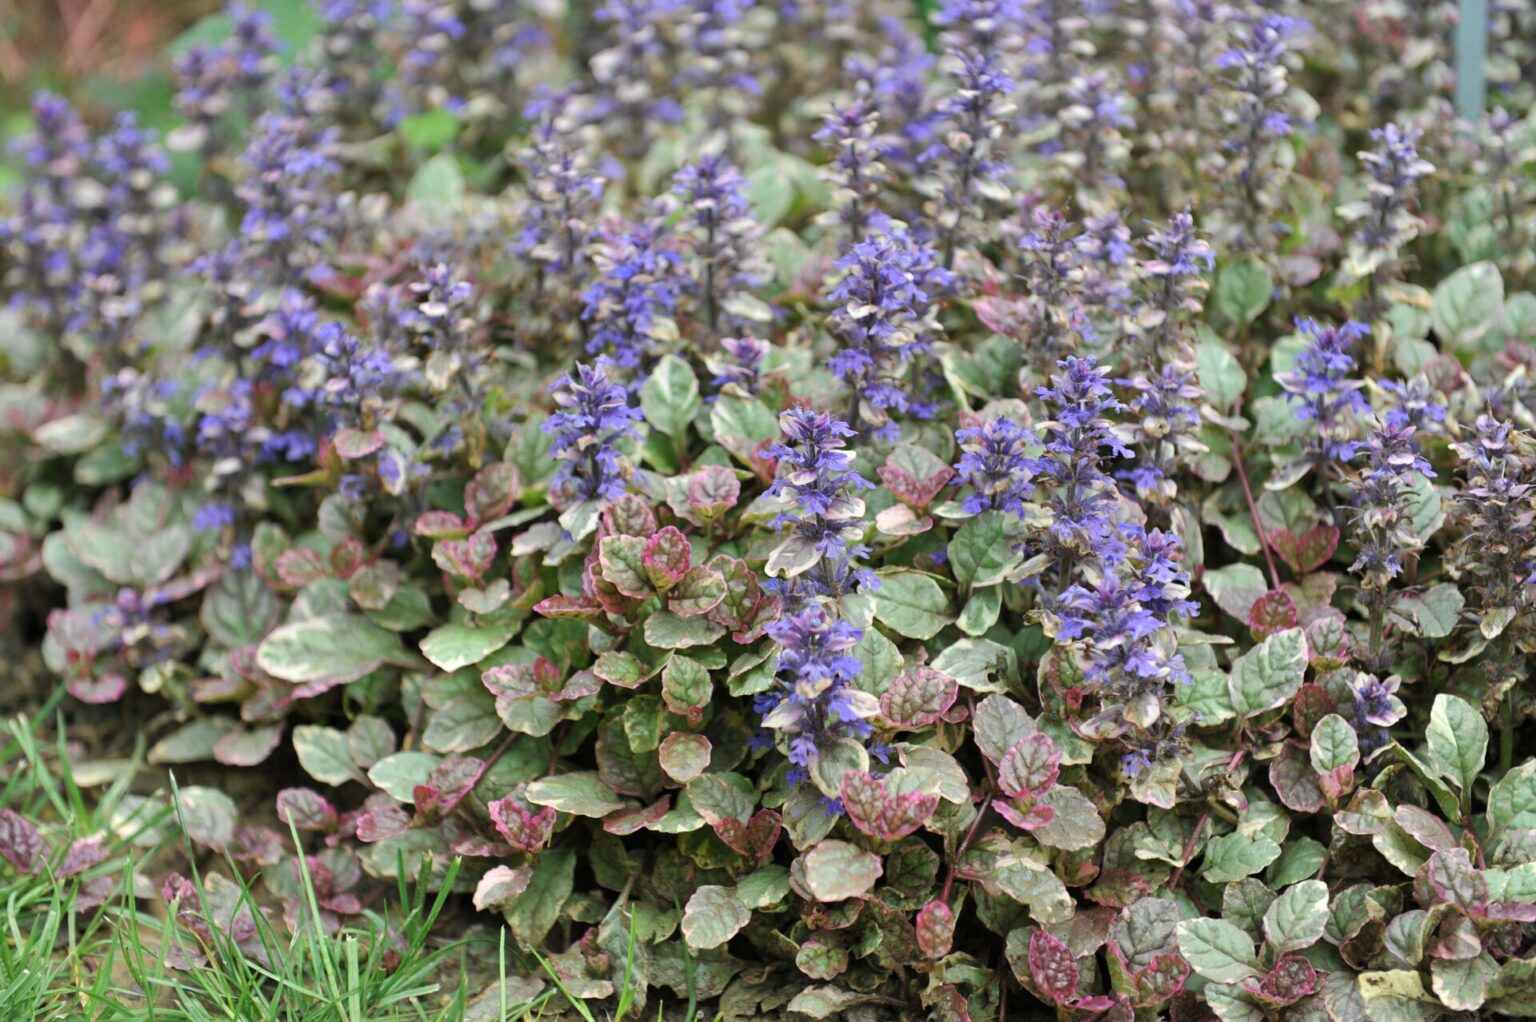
(1327, 398)
(594, 416)
(815, 701)
(722, 238)
(638, 276)
(885, 317)
(1385, 219)
(824, 520)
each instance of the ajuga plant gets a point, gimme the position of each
(804, 512)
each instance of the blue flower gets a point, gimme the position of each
(817, 479)
(814, 699)
(1325, 395)
(637, 279)
(994, 463)
(594, 415)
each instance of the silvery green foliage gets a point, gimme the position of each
(1037, 523)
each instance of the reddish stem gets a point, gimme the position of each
(1253, 508)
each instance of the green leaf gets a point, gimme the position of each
(459, 644)
(1512, 802)
(713, 916)
(580, 794)
(238, 609)
(1243, 290)
(670, 397)
(975, 663)
(1217, 950)
(684, 756)
(1463, 985)
(536, 910)
(1296, 920)
(1221, 375)
(985, 549)
(1334, 744)
(1234, 856)
(324, 754)
(911, 604)
(1269, 674)
(399, 774)
(438, 185)
(1235, 588)
(1433, 613)
(1468, 304)
(685, 685)
(332, 647)
(1458, 741)
(1207, 694)
(835, 870)
(666, 630)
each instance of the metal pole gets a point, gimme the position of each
(1471, 55)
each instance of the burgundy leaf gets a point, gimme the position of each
(1029, 767)
(527, 832)
(935, 929)
(1160, 981)
(1053, 967)
(1309, 551)
(306, 809)
(918, 697)
(1273, 612)
(1291, 979)
(876, 812)
(20, 843)
(754, 839)
(82, 855)
(667, 558)
(1024, 814)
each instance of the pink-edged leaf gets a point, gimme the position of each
(627, 821)
(491, 492)
(878, 813)
(441, 525)
(1312, 704)
(347, 557)
(82, 855)
(374, 584)
(306, 809)
(935, 929)
(1307, 552)
(352, 444)
(630, 515)
(1337, 783)
(1160, 981)
(563, 606)
(918, 697)
(376, 824)
(1053, 967)
(1002, 314)
(1029, 767)
(684, 756)
(1024, 815)
(754, 839)
(469, 558)
(525, 831)
(667, 558)
(1295, 781)
(621, 562)
(742, 592)
(1273, 612)
(696, 593)
(712, 491)
(1453, 878)
(1291, 979)
(20, 843)
(765, 612)
(247, 746)
(914, 475)
(98, 688)
(500, 887)
(1328, 642)
(299, 567)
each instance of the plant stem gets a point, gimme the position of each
(1253, 507)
